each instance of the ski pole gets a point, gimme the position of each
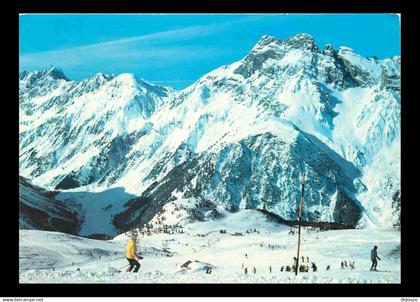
(123, 267)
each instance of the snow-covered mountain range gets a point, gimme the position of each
(121, 148)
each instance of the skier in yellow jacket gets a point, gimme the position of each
(132, 255)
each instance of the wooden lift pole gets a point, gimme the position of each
(300, 221)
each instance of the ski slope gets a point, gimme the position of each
(52, 257)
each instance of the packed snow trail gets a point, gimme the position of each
(164, 254)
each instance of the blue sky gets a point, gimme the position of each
(175, 50)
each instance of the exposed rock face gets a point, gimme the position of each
(396, 205)
(39, 210)
(346, 211)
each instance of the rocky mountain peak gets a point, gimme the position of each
(328, 50)
(265, 40)
(303, 41)
(43, 76)
(57, 73)
(345, 49)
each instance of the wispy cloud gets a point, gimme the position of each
(157, 46)
(73, 58)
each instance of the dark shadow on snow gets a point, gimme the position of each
(347, 166)
(111, 197)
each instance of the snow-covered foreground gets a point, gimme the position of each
(51, 257)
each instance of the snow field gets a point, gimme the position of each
(41, 251)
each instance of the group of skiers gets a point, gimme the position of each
(345, 264)
(305, 268)
(133, 258)
(254, 270)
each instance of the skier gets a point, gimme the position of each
(328, 267)
(342, 265)
(246, 270)
(132, 256)
(282, 268)
(374, 257)
(294, 267)
(255, 270)
(307, 259)
(303, 259)
(270, 269)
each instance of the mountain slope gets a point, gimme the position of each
(76, 133)
(241, 135)
(39, 210)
